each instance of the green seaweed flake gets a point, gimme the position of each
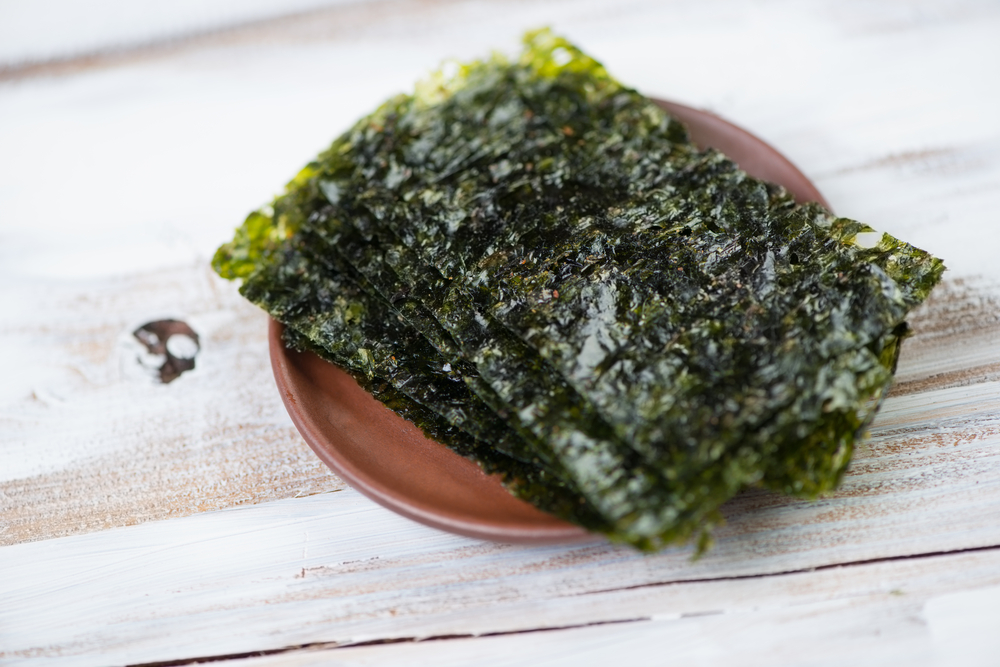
(657, 329)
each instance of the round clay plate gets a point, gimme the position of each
(390, 460)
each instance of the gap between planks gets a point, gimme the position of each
(320, 646)
(316, 651)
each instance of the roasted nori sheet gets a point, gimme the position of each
(533, 263)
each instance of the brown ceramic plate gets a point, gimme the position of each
(390, 460)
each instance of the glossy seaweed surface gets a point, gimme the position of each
(533, 263)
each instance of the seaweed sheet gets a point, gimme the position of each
(652, 320)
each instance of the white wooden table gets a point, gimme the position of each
(146, 523)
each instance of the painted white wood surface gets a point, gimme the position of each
(40, 31)
(335, 570)
(147, 523)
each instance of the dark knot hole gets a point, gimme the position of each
(174, 340)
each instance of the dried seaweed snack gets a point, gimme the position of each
(620, 185)
(453, 192)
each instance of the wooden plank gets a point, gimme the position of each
(956, 339)
(916, 612)
(333, 568)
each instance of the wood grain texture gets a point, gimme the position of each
(334, 569)
(144, 523)
(956, 338)
(90, 440)
(933, 611)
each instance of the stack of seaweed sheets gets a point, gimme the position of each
(534, 264)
